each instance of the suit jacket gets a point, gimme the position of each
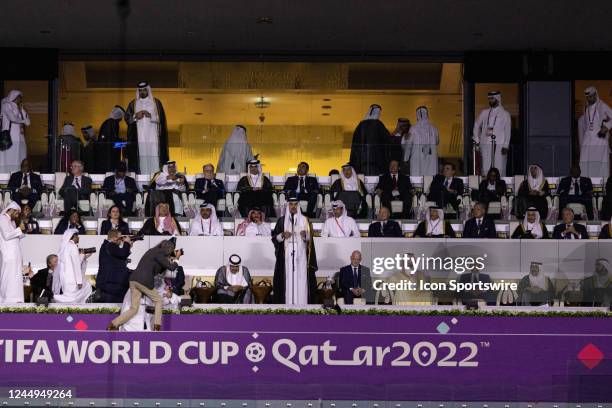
(310, 183)
(586, 186)
(113, 273)
(437, 186)
(214, 186)
(580, 229)
(85, 189)
(385, 183)
(487, 229)
(39, 282)
(153, 262)
(130, 184)
(391, 229)
(488, 296)
(347, 282)
(16, 179)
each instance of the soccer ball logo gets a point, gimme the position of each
(255, 352)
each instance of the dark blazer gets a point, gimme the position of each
(214, 186)
(391, 229)
(580, 229)
(85, 185)
(487, 229)
(488, 296)
(364, 282)
(39, 282)
(310, 183)
(606, 232)
(16, 179)
(437, 186)
(385, 183)
(113, 273)
(109, 184)
(64, 224)
(123, 227)
(155, 261)
(586, 186)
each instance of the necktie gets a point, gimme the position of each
(355, 277)
(446, 184)
(568, 235)
(382, 228)
(78, 184)
(478, 225)
(25, 179)
(302, 188)
(576, 187)
(395, 181)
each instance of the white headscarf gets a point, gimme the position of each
(422, 114)
(351, 183)
(147, 103)
(10, 98)
(538, 182)
(536, 227)
(214, 221)
(496, 95)
(117, 113)
(435, 227)
(235, 153)
(68, 129)
(62, 255)
(339, 203)
(12, 206)
(373, 112)
(235, 278)
(299, 221)
(538, 280)
(255, 180)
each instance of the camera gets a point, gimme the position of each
(89, 250)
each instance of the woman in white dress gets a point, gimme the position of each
(14, 119)
(71, 279)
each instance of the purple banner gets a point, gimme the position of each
(310, 357)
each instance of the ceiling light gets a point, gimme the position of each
(326, 100)
(199, 99)
(326, 107)
(45, 31)
(325, 114)
(264, 20)
(262, 103)
(197, 113)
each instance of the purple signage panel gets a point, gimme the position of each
(454, 358)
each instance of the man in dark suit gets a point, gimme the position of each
(569, 229)
(445, 188)
(475, 276)
(25, 185)
(155, 261)
(43, 279)
(355, 281)
(121, 189)
(112, 280)
(393, 186)
(305, 187)
(209, 188)
(384, 227)
(576, 189)
(77, 186)
(479, 226)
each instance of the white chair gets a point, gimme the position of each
(426, 184)
(579, 210)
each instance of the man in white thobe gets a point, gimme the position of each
(70, 278)
(147, 118)
(594, 135)
(295, 236)
(340, 225)
(492, 131)
(11, 268)
(14, 119)
(206, 223)
(421, 148)
(170, 179)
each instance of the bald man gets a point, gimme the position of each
(355, 281)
